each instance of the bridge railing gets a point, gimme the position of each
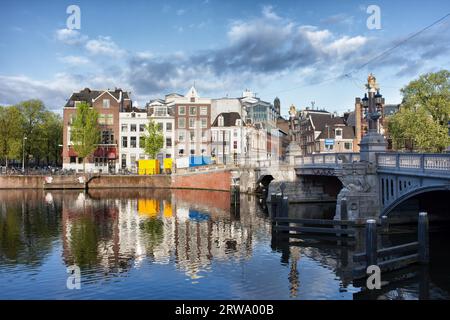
(420, 162)
(326, 159)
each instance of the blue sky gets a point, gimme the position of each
(283, 48)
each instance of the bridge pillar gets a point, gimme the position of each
(360, 192)
(372, 143)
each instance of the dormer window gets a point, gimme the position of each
(106, 103)
(220, 121)
(338, 133)
(193, 99)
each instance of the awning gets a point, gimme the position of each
(112, 155)
(72, 153)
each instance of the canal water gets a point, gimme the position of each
(179, 244)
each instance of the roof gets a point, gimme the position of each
(229, 119)
(347, 133)
(390, 109)
(321, 120)
(88, 95)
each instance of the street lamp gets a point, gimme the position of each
(23, 154)
(373, 141)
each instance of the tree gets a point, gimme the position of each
(422, 120)
(10, 132)
(432, 93)
(153, 140)
(51, 137)
(85, 134)
(32, 112)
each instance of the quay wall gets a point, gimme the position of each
(211, 180)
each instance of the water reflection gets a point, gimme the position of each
(177, 244)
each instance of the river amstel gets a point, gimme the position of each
(175, 244)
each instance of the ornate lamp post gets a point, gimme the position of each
(373, 141)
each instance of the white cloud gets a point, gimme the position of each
(75, 60)
(70, 36)
(269, 13)
(104, 46)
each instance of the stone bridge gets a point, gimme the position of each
(364, 189)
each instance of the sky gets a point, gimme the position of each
(298, 50)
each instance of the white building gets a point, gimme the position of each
(162, 113)
(226, 138)
(132, 130)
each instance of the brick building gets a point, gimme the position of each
(108, 103)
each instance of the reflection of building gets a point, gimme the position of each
(118, 234)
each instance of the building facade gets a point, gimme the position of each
(192, 116)
(132, 131)
(226, 138)
(162, 113)
(108, 104)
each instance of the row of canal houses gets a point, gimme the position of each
(224, 130)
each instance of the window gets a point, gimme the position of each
(141, 127)
(192, 111)
(73, 159)
(160, 111)
(124, 161)
(124, 128)
(141, 156)
(133, 160)
(133, 128)
(141, 142)
(107, 136)
(347, 145)
(221, 121)
(181, 110)
(181, 136)
(181, 151)
(192, 151)
(234, 144)
(235, 133)
(168, 142)
(168, 126)
(109, 119)
(191, 123)
(203, 111)
(204, 123)
(106, 103)
(132, 142)
(168, 155)
(181, 123)
(338, 133)
(192, 135)
(80, 160)
(124, 142)
(192, 99)
(214, 136)
(101, 118)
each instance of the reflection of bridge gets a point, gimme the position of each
(369, 189)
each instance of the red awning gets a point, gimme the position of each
(106, 152)
(72, 153)
(112, 155)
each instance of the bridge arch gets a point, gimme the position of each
(263, 182)
(415, 192)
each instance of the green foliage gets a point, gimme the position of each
(85, 133)
(153, 140)
(10, 132)
(421, 123)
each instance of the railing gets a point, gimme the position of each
(326, 159)
(421, 162)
